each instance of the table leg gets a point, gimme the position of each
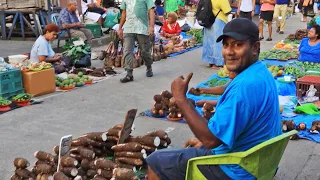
(3, 25)
(13, 24)
(22, 25)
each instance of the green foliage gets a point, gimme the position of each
(76, 52)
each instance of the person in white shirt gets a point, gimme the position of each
(246, 8)
(91, 10)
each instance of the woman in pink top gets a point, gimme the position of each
(266, 14)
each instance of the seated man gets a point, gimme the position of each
(69, 20)
(247, 113)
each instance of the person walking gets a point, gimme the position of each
(211, 53)
(246, 8)
(136, 24)
(266, 14)
(280, 14)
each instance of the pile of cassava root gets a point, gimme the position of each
(88, 157)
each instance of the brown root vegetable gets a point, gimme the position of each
(96, 136)
(131, 161)
(84, 141)
(157, 98)
(44, 168)
(106, 164)
(98, 177)
(149, 148)
(21, 163)
(91, 173)
(45, 177)
(83, 152)
(172, 101)
(124, 174)
(41, 155)
(138, 155)
(208, 107)
(195, 91)
(159, 133)
(158, 106)
(68, 162)
(60, 176)
(56, 149)
(97, 151)
(24, 173)
(301, 126)
(114, 132)
(81, 172)
(86, 164)
(163, 143)
(15, 177)
(315, 126)
(147, 140)
(76, 156)
(288, 125)
(78, 178)
(131, 146)
(113, 138)
(105, 173)
(70, 171)
(44, 162)
(118, 126)
(128, 166)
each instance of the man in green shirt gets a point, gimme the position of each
(136, 23)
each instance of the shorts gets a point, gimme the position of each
(266, 15)
(172, 164)
(246, 15)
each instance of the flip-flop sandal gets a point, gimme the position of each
(210, 65)
(269, 39)
(260, 38)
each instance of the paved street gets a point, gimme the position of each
(102, 105)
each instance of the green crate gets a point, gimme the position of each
(10, 81)
(12, 94)
(95, 29)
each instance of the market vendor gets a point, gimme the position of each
(243, 119)
(310, 47)
(42, 50)
(68, 21)
(171, 27)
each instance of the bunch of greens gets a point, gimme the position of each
(216, 82)
(197, 33)
(76, 52)
(4, 102)
(294, 69)
(312, 22)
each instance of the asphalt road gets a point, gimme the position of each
(102, 105)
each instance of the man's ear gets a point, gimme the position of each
(256, 48)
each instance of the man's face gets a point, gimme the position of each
(238, 55)
(73, 7)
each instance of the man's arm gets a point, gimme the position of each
(122, 19)
(151, 17)
(219, 90)
(49, 60)
(70, 26)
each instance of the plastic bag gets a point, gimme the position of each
(85, 61)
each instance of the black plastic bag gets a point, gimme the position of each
(85, 61)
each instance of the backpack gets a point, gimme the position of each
(204, 14)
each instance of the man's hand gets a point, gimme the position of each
(151, 31)
(120, 33)
(79, 25)
(201, 103)
(238, 12)
(193, 142)
(252, 13)
(179, 87)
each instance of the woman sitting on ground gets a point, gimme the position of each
(171, 27)
(42, 50)
(310, 47)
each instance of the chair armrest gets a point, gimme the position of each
(193, 171)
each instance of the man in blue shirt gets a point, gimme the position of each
(247, 113)
(69, 20)
(280, 14)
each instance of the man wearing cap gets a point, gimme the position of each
(247, 113)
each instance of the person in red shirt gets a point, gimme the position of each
(171, 27)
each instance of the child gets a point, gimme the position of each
(171, 27)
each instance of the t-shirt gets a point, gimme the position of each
(137, 15)
(309, 53)
(112, 17)
(246, 6)
(267, 7)
(222, 5)
(84, 5)
(160, 10)
(66, 17)
(41, 48)
(247, 114)
(171, 29)
(171, 5)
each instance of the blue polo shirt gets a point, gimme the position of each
(282, 1)
(247, 114)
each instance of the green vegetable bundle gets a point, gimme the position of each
(197, 33)
(4, 102)
(76, 52)
(22, 97)
(216, 82)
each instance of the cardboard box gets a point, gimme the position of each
(39, 83)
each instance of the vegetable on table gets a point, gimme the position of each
(21, 163)
(41, 155)
(131, 146)
(102, 163)
(60, 176)
(124, 174)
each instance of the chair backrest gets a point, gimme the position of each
(54, 18)
(262, 160)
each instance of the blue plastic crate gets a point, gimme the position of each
(10, 95)
(10, 81)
